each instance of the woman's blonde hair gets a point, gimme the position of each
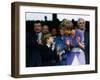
(66, 24)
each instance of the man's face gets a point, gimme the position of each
(81, 24)
(37, 27)
(45, 29)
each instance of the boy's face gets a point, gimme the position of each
(50, 40)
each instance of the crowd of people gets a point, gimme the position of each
(47, 48)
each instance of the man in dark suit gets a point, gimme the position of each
(82, 27)
(33, 46)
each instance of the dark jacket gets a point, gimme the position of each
(33, 57)
(49, 57)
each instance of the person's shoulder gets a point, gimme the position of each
(78, 32)
(28, 34)
(57, 38)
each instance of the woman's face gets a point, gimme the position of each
(50, 40)
(67, 32)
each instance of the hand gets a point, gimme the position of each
(67, 42)
(81, 45)
(78, 39)
(39, 42)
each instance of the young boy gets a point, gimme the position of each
(49, 54)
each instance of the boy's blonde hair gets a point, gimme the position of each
(45, 37)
